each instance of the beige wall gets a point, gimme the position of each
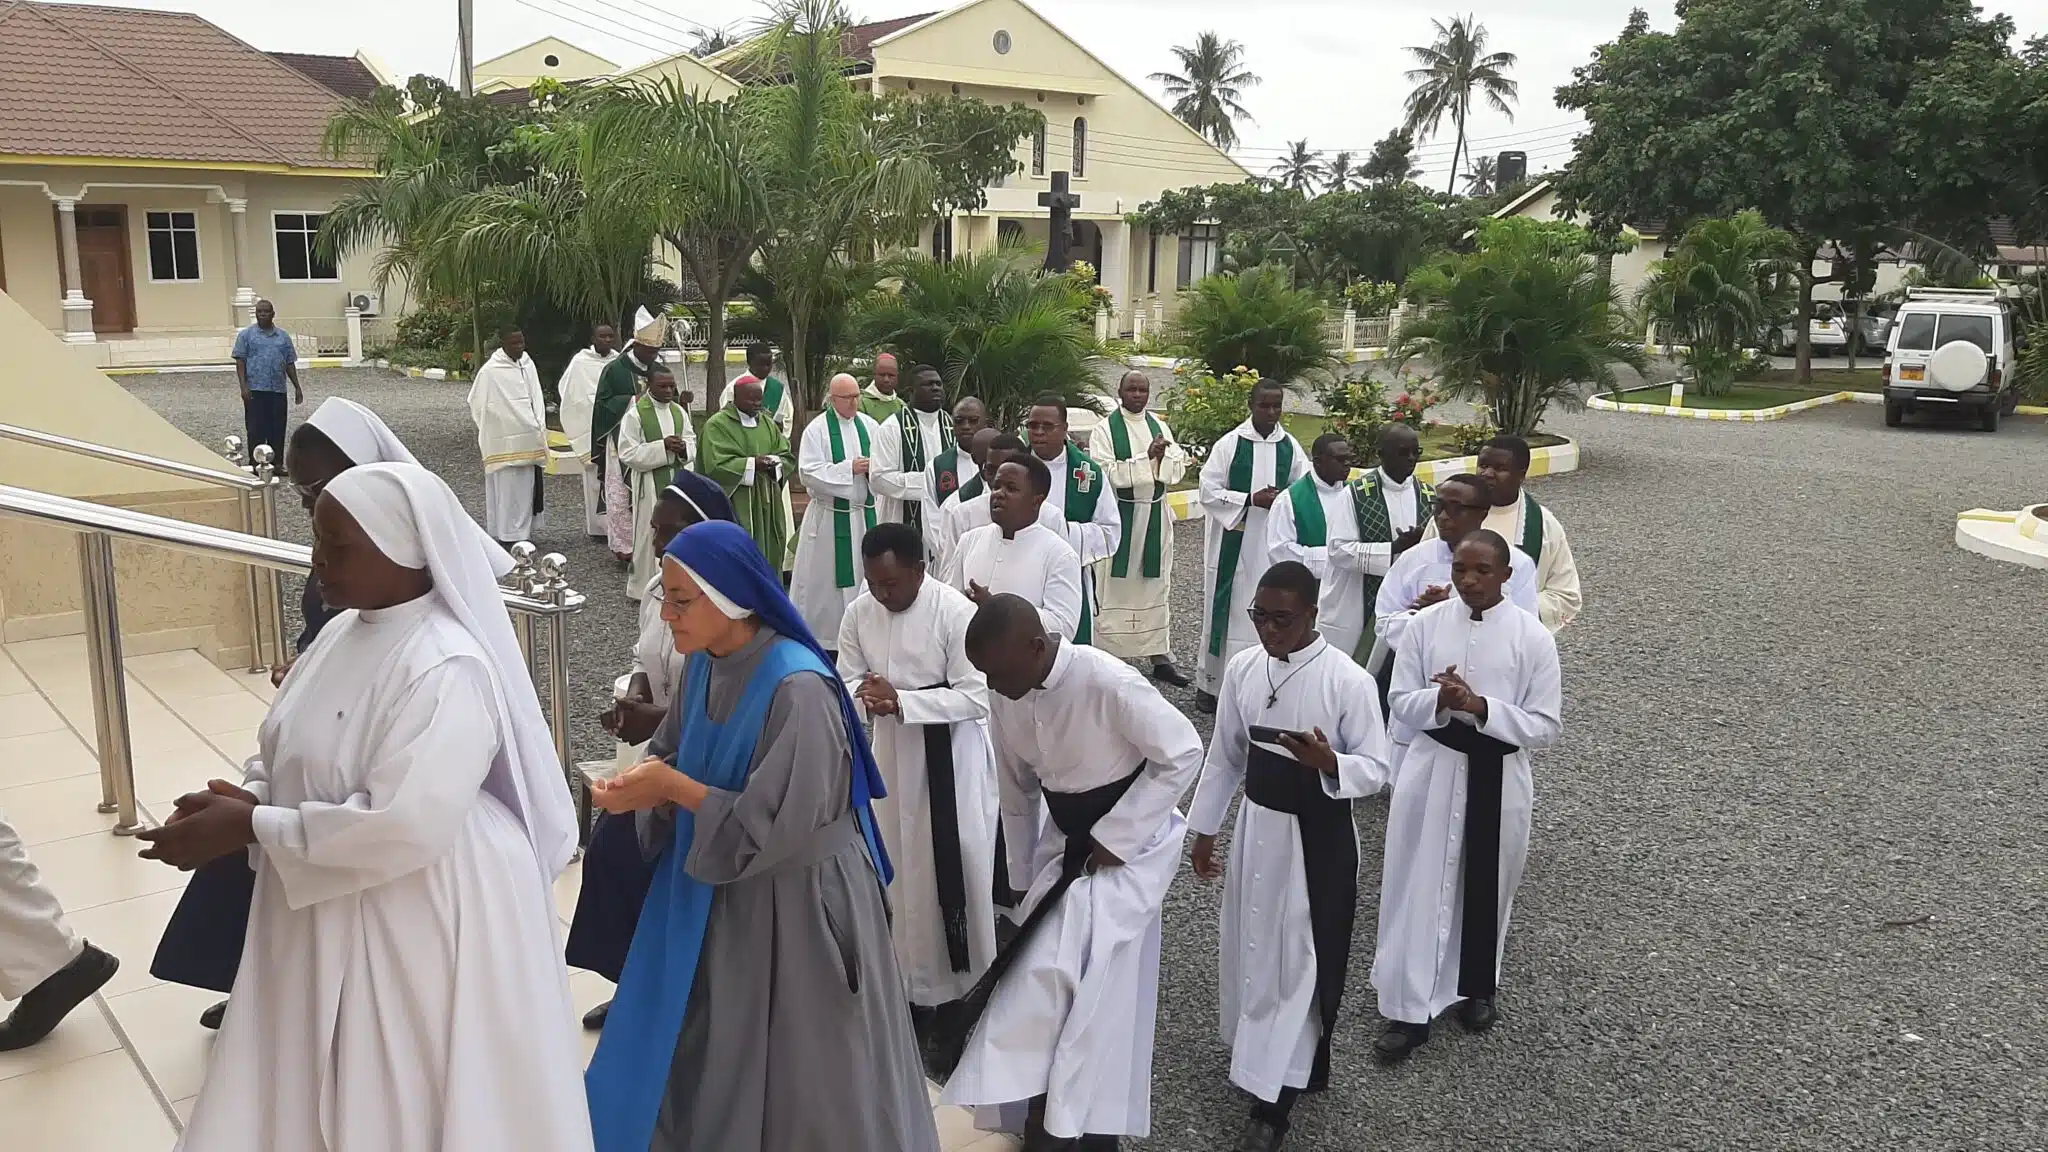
(693, 74)
(166, 599)
(522, 66)
(33, 269)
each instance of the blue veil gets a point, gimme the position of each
(726, 557)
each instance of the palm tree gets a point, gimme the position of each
(711, 41)
(1301, 169)
(1719, 288)
(1207, 89)
(1257, 319)
(1480, 177)
(1452, 69)
(1339, 175)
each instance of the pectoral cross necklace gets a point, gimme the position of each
(1273, 696)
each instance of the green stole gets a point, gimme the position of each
(771, 396)
(842, 510)
(972, 488)
(1233, 538)
(1532, 527)
(1127, 502)
(947, 470)
(1375, 526)
(1084, 491)
(650, 428)
(907, 426)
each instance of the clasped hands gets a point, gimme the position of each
(648, 784)
(205, 826)
(1454, 695)
(878, 695)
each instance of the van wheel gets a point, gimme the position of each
(1894, 414)
(1988, 418)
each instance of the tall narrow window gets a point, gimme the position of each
(1080, 147)
(1200, 246)
(1038, 152)
(298, 257)
(173, 246)
(942, 239)
(1151, 261)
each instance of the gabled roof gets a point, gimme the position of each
(79, 80)
(1647, 229)
(345, 76)
(857, 43)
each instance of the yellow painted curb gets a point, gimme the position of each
(1742, 415)
(1989, 514)
(2032, 409)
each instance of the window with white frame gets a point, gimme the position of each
(298, 256)
(173, 246)
(1080, 147)
(1038, 151)
(1201, 248)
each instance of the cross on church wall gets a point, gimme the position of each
(1060, 201)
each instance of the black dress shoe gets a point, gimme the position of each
(1164, 672)
(1260, 1136)
(593, 1020)
(212, 1017)
(1478, 1014)
(1399, 1041)
(1205, 701)
(44, 1006)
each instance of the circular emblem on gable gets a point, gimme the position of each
(1002, 42)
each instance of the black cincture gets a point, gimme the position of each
(945, 817)
(1479, 923)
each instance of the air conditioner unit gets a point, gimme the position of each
(367, 303)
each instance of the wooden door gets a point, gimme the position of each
(105, 266)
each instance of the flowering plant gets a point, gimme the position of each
(1411, 407)
(1204, 406)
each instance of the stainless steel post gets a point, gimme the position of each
(518, 580)
(94, 656)
(250, 575)
(268, 493)
(109, 685)
(553, 569)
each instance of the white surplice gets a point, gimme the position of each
(896, 486)
(1224, 509)
(1558, 599)
(1509, 658)
(1341, 564)
(578, 392)
(510, 413)
(402, 977)
(814, 576)
(642, 458)
(956, 518)
(1266, 979)
(1037, 564)
(1073, 1017)
(1134, 612)
(922, 652)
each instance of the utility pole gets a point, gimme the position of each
(465, 46)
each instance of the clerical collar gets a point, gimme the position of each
(1252, 430)
(1055, 456)
(1338, 486)
(1314, 649)
(1062, 660)
(747, 421)
(1387, 481)
(1484, 614)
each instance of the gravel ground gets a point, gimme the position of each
(1786, 889)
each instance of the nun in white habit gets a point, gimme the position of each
(402, 981)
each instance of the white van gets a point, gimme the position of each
(1951, 350)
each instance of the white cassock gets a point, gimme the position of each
(922, 652)
(642, 458)
(654, 656)
(578, 391)
(402, 975)
(1093, 540)
(1037, 564)
(1415, 570)
(814, 576)
(896, 486)
(1224, 509)
(34, 939)
(1341, 564)
(1270, 1014)
(956, 518)
(1134, 611)
(1073, 1016)
(1509, 658)
(510, 413)
(1558, 599)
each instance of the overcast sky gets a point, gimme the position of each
(1332, 69)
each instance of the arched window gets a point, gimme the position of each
(1038, 151)
(1080, 147)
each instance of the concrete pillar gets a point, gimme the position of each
(1138, 327)
(1102, 324)
(238, 241)
(77, 309)
(1350, 330)
(1116, 262)
(354, 319)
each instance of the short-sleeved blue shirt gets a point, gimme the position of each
(267, 355)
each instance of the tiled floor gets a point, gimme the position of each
(122, 1071)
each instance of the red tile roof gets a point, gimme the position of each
(859, 40)
(345, 76)
(79, 80)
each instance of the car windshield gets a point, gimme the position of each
(1975, 329)
(1916, 331)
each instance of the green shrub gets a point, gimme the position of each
(1205, 406)
(1357, 408)
(1255, 320)
(1372, 297)
(1468, 439)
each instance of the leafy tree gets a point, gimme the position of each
(1380, 231)
(1454, 67)
(1339, 175)
(836, 303)
(1480, 177)
(1851, 122)
(1301, 169)
(1208, 90)
(994, 324)
(1392, 159)
(711, 41)
(1717, 290)
(1523, 324)
(1254, 319)
(970, 144)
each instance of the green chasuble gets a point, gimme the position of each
(1375, 526)
(723, 449)
(879, 407)
(1239, 480)
(1084, 488)
(650, 430)
(1127, 502)
(617, 386)
(910, 435)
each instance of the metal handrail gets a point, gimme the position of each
(142, 460)
(538, 589)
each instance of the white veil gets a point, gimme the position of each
(364, 438)
(414, 519)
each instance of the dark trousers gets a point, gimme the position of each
(263, 419)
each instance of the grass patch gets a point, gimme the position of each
(1826, 379)
(1743, 396)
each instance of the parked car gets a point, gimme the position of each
(1873, 329)
(1952, 350)
(1827, 334)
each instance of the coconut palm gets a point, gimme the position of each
(1520, 327)
(1301, 169)
(1481, 177)
(1454, 68)
(1207, 89)
(993, 324)
(1256, 319)
(1721, 285)
(1340, 176)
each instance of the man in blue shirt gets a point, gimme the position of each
(265, 358)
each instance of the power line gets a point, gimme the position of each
(1527, 134)
(612, 32)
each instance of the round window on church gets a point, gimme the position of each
(551, 60)
(1002, 42)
